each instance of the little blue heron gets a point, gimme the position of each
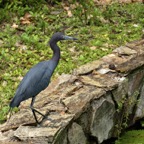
(38, 77)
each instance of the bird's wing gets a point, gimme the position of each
(36, 80)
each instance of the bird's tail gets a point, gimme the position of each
(15, 102)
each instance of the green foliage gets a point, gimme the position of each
(132, 137)
(87, 12)
(124, 110)
(22, 3)
(23, 40)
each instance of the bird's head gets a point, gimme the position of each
(60, 36)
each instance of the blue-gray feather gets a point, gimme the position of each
(36, 80)
(38, 77)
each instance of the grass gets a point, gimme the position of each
(26, 30)
(132, 137)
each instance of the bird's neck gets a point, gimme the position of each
(56, 51)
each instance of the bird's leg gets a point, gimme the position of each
(33, 110)
(39, 113)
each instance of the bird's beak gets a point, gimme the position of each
(69, 38)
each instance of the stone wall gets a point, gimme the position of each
(95, 103)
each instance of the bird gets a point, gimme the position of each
(39, 76)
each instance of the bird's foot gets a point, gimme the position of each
(38, 125)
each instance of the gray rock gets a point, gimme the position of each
(102, 118)
(76, 135)
(123, 50)
(140, 106)
(87, 68)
